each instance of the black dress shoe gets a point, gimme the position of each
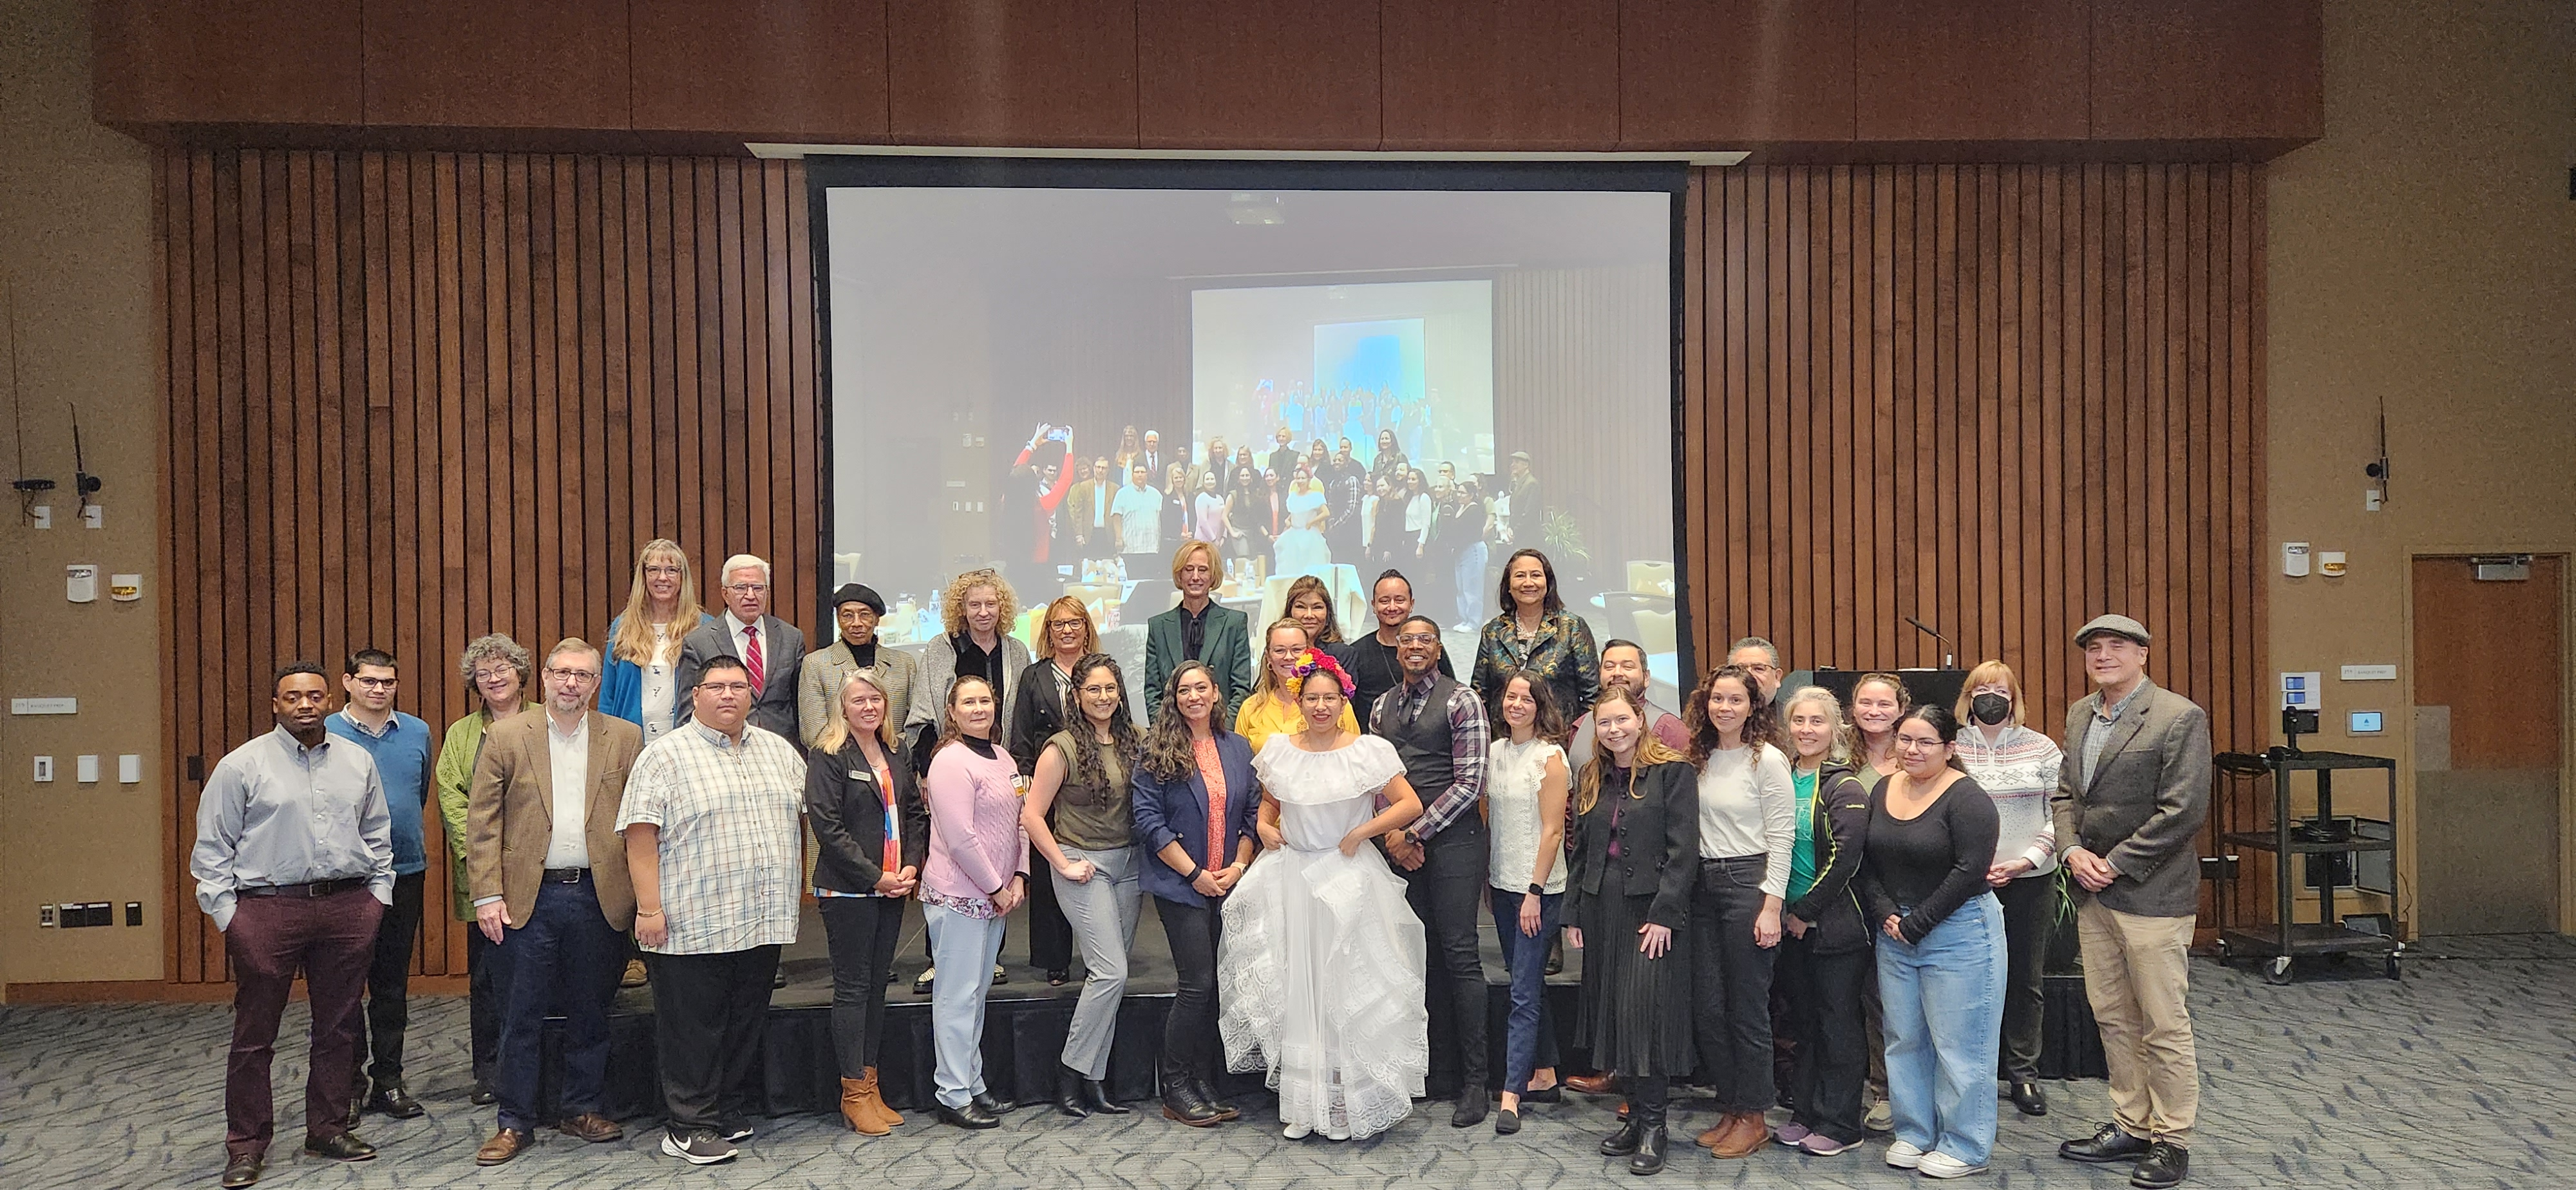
(971, 1116)
(1095, 1095)
(393, 1101)
(992, 1104)
(1216, 1103)
(343, 1147)
(2026, 1095)
(1649, 1157)
(482, 1095)
(1506, 1122)
(1182, 1104)
(2165, 1165)
(2107, 1145)
(1068, 1093)
(357, 1113)
(241, 1171)
(1471, 1109)
(1625, 1140)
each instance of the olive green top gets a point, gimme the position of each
(1091, 817)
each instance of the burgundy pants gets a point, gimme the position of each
(330, 940)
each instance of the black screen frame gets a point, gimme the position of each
(825, 172)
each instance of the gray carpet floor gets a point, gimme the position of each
(2461, 1075)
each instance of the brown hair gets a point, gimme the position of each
(1761, 719)
(1308, 584)
(1546, 722)
(1650, 750)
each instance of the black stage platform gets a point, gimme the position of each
(1026, 1022)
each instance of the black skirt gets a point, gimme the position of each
(1636, 1011)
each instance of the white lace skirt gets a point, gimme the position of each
(1319, 982)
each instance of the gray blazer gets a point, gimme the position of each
(819, 678)
(2143, 809)
(782, 648)
(939, 671)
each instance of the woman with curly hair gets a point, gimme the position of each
(977, 610)
(1194, 798)
(1080, 819)
(1321, 976)
(1748, 829)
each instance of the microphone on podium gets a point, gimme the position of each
(1948, 660)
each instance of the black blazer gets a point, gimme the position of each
(847, 811)
(1658, 837)
(1832, 908)
(1037, 713)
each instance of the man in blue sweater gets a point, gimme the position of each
(405, 755)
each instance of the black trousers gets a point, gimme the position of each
(1447, 892)
(708, 1016)
(2028, 919)
(389, 984)
(1189, 1030)
(487, 986)
(1050, 935)
(1731, 983)
(1823, 992)
(862, 932)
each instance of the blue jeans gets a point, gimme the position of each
(1944, 1012)
(1529, 1041)
(565, 958)
(963, 948)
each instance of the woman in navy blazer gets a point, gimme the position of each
(1195, 802)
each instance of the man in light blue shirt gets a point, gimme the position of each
(294, 860)
(405, 756)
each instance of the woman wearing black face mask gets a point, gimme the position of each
(2018, 768)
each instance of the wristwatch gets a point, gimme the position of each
(1537, 889)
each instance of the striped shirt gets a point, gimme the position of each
(728, 816)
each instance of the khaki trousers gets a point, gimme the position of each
(2136, 973)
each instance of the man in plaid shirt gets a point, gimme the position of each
(711, 824)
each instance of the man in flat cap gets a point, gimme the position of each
(2129, 805)
(818, 683)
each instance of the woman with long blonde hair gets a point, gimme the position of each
(872, 834)
(640, 681)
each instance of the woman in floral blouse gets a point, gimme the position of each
(1536, 633)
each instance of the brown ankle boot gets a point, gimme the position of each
(1747, 1136)
(887, 1119)
(854, 1107)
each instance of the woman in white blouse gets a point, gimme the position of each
(1525, 784)
(1748, 829)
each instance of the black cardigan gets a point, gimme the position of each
(847, 812)
(1832, 908)
(1037, 713)
(1659, 827)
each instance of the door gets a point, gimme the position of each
(2489, 689)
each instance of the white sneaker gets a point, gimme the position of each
(1904, 1156)
(1943, 1165)
(1297, 1132)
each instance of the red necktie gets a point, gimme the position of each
(751, 660)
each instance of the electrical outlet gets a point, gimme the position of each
(44, 768)
(134, 913)
(47, 917)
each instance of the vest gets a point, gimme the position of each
(1424, 743)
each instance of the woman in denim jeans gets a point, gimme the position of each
(1525, 789)
(1941, 950)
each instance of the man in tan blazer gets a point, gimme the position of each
(856, 608)
(2129, 805)
(549, 882)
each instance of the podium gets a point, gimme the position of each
(1940, 687)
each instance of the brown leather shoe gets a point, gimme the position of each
(1589, 1084)
(886, 1114)
(1746, 1138)
(634, 976)
(504, 1145)
(591, 1126)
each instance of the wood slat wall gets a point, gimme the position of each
(2001, 399)
(415, 398)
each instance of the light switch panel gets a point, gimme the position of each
(129, 768)
(85, 770)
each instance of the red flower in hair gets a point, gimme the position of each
(1316, 660)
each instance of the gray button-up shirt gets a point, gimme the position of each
(2104, 718)
(277, 812)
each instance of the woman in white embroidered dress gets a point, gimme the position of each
(1319, 978)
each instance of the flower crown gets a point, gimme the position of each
(1316, 660)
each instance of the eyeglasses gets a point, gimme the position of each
(494, 675)
(1417, 638)
(1066, 623)
(1917, 743)
(579, 675)
(377, 683)
(726, 687)
(1100, 688)
(665, 571)
(747, 588)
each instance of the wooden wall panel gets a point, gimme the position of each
(2207, 68)
(1527, 74)
(1718, 74)
(1012, 72)
(790, 70)
(1998, 69)
(2001, 399)
(416, 398)
(497, 64)
(1293, 74)
(245, 61)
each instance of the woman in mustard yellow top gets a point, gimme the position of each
(1272, 707)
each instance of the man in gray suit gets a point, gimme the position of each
(767, 646)
(2129, 803)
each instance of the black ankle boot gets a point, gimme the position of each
(1649, 1157)
(1183, 1104)
(1216, 1103)
(1068, 1093)
(1625, 1140)
(1095, 1095)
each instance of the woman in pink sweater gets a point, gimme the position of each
(978, 873)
